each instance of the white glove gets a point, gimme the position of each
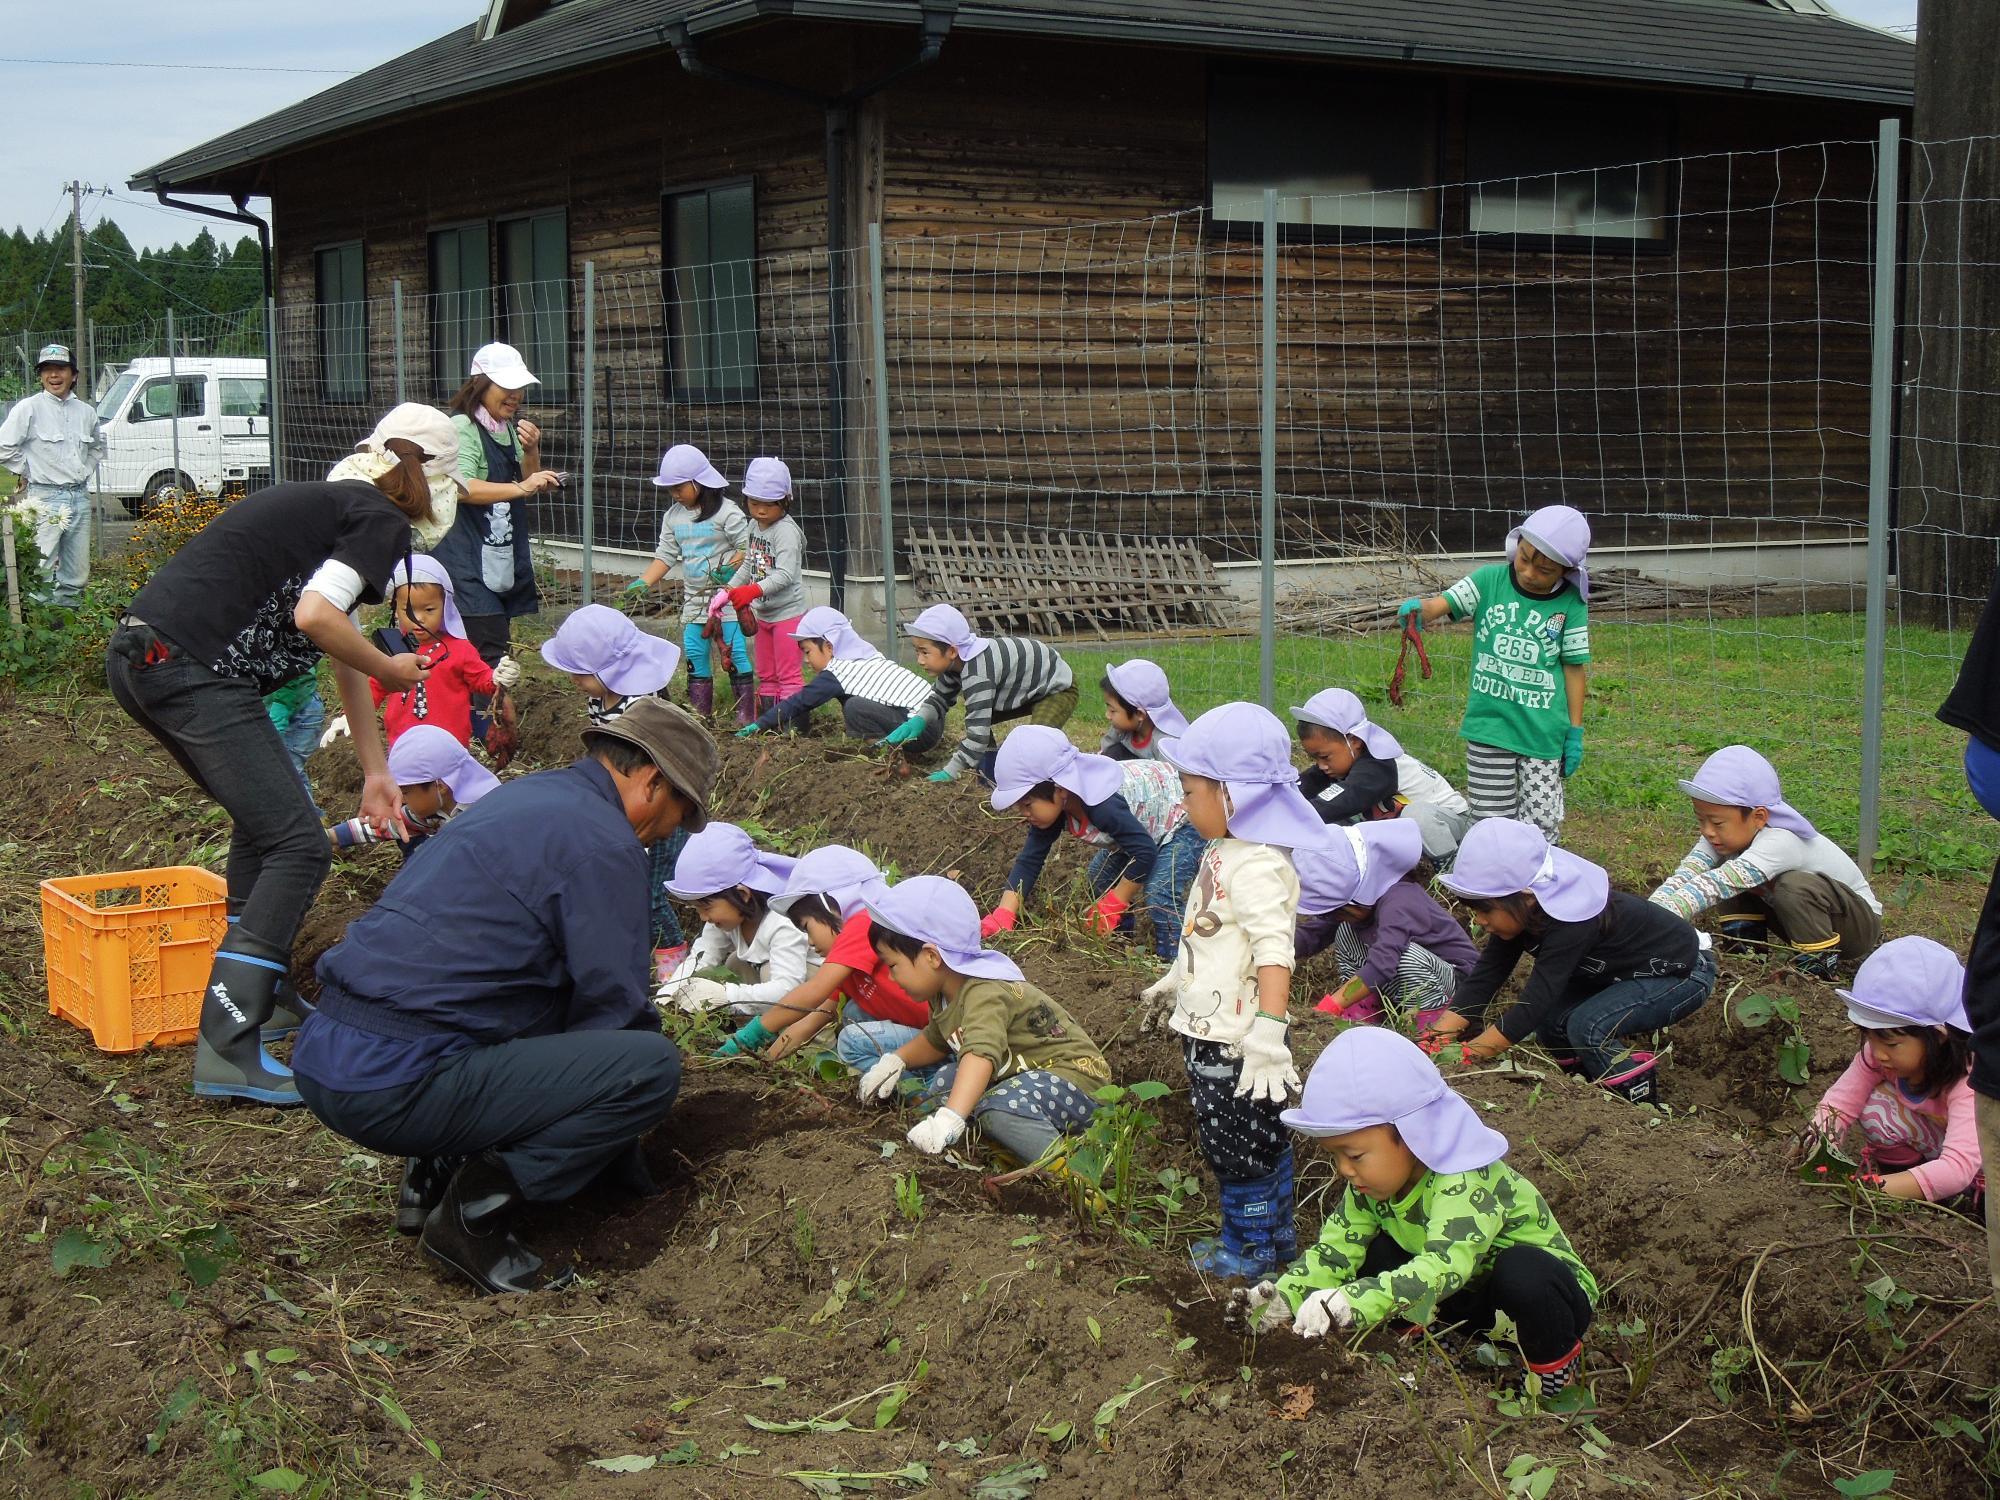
(697, 995)
(879, 1082)
(1156, 1000)
(1268, 1072)
(939, 1131)
(1321, 1311)
(507, 673)
(1256, 1309)
(336, 729)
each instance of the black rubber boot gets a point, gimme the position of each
(424, 1181)
(469, 1231)
(289, 1010)
(230, 1061)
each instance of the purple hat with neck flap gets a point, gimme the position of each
(1144, 686)
(1328, 875)
(1737, 776)
(1035, 753)
(1908, 981)
(1559, 532)
(720, 858)
(424, 753)
(937, 911)
(429, 570)
(946, 626)
(1246, 748)
(825, 623)
(1339, 710)
(598, 641)
(1504, 857)
(1369, 1075)
(845, 876)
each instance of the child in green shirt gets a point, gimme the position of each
(1016, 1064)
(1434, 1227)
(1523, 726)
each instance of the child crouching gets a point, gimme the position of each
(1360, 771)
(1002, 678)
(1139, 711)
(1434, 1228)
(437, 777)
(1018, 1066)
(730, 881)
(875, 694)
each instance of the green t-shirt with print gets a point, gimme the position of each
(1520, 644)
(1018, 1029)
(1452, 1223)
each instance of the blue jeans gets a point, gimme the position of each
(1166, 893)
(1630, 1006)
(1982, 773)
(301, 737)
(64, 541)
(863, 1041)
(694, 646)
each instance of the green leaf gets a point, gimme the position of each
(1794, 1061)
(889, 1405)
(835, 1301)
(625, 1463)
(280, 1356)
(1540, 1483)
(394, 1410)
(283, 1481)
(1874, 1482)
(688, 1452)
(186, 1397)
(78, 1247)
(1091, 1327)
(1015, 1482)
(1755, 1010)
(1150, 1090)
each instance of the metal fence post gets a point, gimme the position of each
(1881, 427)
(275, 385)
(589, 413)
(878, 325)
(396, 314)
(1267, 442)
(174, 404)
(97, 469)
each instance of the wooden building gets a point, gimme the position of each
(1070, 196)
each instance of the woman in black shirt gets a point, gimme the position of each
(250, 603)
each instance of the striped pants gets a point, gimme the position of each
(1502, 784)
(1423, 980)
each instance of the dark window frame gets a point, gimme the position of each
(675, 389)
(337, 388)
(448, 376)
(555, 380)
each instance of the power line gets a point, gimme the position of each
(90, 62)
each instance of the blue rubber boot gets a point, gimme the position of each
(1257, 1238)
(289, 1008)
(230, 1061)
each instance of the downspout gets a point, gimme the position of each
(839, 111)
(240, 216)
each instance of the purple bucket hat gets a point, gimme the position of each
(429, 570)
(1328, 875)
(1035, 753)
(1144, 686)
(1339, 710)
(1560, 532)
(844, 876)
(1503, 857)
(601, 642)
(425, 752)
(683, 462)
(825, 623)
(1246, 748)
(1737, 776)
(1909, 981)
(720, 858)
(1370, 1075)
(946, 626)
(1385, 851)
(937, 911)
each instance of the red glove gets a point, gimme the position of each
(743, 593)
(1109, 912)
(1000, 919)
(1868, 1179)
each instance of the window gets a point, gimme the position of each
(711, 292)
(156, 399)
(534, 295)
(1560, 162)
(113, 400)
(1345, 150)
(461, 303)
(244, 397)
(342, 296)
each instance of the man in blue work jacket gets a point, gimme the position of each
(491, 1016)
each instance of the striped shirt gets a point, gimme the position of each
(875, 678)
(1005, 680)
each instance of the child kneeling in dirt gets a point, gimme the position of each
(1360, 772)
(875, 694)
(1229, 987)
(437, 777)
(1905, 1104)
(746, 956)
(1607, 965)
(1135, 813)
(1434, 1228)
(1394, 944)
(1006, 677)
(1761, 866)
(1016, 1065)
(1139, 711)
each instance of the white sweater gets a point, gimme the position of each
(1241, 913)
(778, 955)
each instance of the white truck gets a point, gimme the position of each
(218, 409)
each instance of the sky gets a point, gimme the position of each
(204, 67)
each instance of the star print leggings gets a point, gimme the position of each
(1242, 1139)
(1023, 1115)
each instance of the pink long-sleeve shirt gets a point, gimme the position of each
(1956, 1166)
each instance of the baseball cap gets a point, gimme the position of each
(677, 744)
(54, 354)
(502, 364)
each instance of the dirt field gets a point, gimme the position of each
(236, 1315)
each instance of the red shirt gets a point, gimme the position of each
(443, 699)
(869, 985)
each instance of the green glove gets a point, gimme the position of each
(1573, 750)
(940, 776)
(746, 731)
(636, 586)
(751, 1036)
(1411, 612)
(904, 732)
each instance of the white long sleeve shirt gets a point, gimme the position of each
(51, 443)
(1242, 912)
(779, 956)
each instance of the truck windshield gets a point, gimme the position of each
(115, 397)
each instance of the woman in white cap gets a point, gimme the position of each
(250, 603)
(500, 464)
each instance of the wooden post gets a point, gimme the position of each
(13, 569)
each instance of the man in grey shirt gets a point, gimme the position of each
(51, 440)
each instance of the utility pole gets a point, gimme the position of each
(76, 281)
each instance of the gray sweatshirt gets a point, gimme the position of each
(776, 558)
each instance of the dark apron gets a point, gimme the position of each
(492, 569)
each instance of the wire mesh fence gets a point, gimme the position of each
(1093, 418)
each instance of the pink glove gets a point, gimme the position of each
(718, 604)
(1109, 912)
(1000, 919)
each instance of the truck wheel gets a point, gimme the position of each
(158, 485)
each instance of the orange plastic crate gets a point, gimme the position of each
(128, 953)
